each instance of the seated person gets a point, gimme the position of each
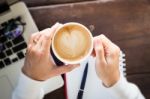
(39, 66)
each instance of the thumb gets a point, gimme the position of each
(48, 33)
(99, 50)
(54, 28)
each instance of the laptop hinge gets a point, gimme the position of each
(5, 4)
(10, 2)
(4, 7)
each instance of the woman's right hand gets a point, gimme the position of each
(38, 63)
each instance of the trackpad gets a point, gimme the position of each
(5, 88)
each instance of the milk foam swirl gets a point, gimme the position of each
(72, 42)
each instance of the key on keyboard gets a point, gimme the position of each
(19, 47)
(1, 64)
(8, 44)
(18, 40)
(9, 52)
(7, 61)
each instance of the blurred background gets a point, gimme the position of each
(125, 22)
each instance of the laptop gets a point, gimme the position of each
(16, 25)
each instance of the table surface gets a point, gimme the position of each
(125, 22)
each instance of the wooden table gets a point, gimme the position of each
(125, 22)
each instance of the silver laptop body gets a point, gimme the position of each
(16, 26)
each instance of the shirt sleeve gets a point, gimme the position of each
(28, 88)
(125, 90)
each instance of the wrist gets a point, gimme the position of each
(30, 75)
(111, 80)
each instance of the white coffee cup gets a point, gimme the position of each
(68, 38)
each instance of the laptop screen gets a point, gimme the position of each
(3, 6)
(2, 1)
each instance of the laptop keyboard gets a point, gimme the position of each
(12, 43)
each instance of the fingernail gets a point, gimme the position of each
(56, 24)
(98, 44)
(103, 35)
(59, 23)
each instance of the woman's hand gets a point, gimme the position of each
(39, 64)
(107, 60)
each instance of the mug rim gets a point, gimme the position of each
(75, 61)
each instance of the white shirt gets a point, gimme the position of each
(31, 89)
(28, 88)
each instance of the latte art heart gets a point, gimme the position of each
(72, 43)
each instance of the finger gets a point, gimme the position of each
(99, 50)
(115, 51)
(53, 29)
(38, 45)
(37, 37)
(107, 45)
(31, 38)
(105, 41)
(93, 53)
(48, 34)
(62, 69)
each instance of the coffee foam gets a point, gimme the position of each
(72, 43)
